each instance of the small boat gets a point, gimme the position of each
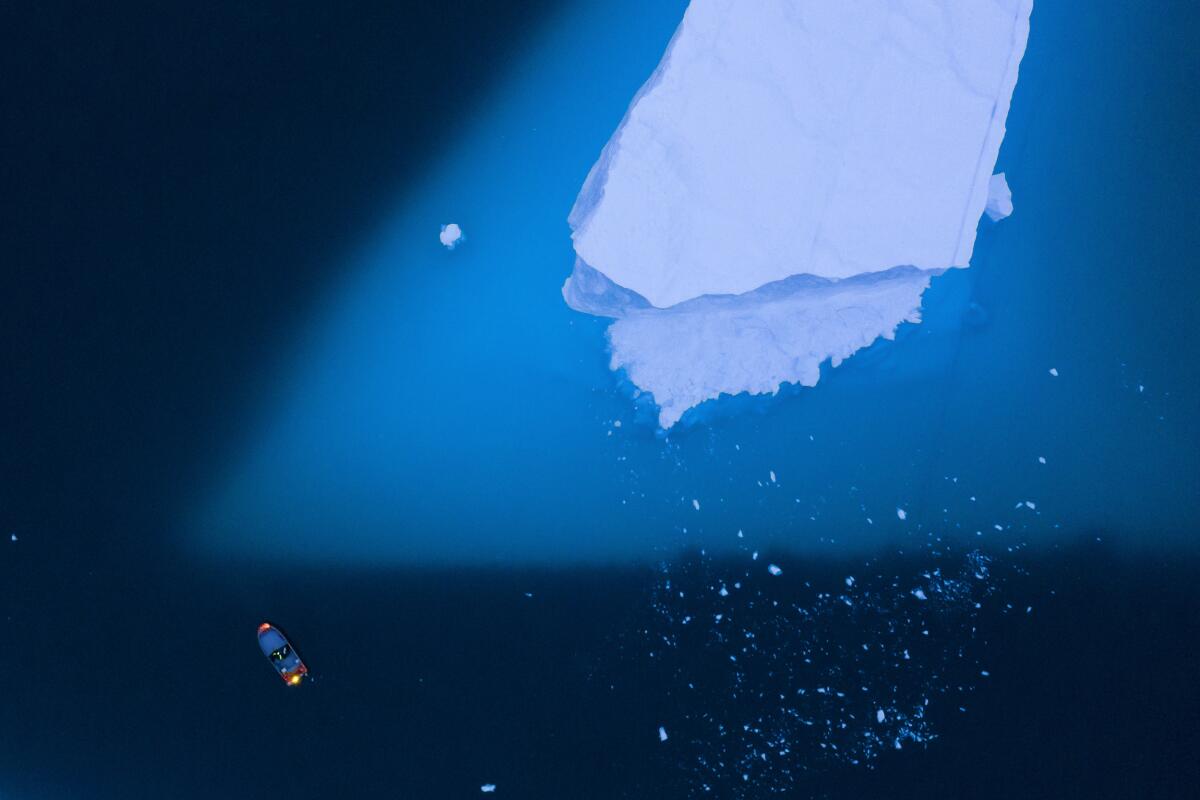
(281, 654)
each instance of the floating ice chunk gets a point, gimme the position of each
(774, 570)
(919, 594)
(880, 716)
(451, 236)
(999, 198)
(662, 733)
(488, 787)
(13, 537)
(1041, 459)
(901, 513)
(1054, 371)
(772, 476)
(696, 504)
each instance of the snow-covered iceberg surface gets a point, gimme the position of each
(781, 138)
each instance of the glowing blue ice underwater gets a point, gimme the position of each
(447, 406)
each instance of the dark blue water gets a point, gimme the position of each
(247, 383)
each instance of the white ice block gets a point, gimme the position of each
(782, 137)
(999, 199)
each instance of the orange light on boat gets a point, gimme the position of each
(294, 680)
(264, 627)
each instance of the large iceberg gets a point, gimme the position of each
(787, 182)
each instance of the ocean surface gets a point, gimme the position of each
(245, 382)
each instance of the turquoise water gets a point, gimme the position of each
(446, 406)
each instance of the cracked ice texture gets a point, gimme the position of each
(792, 137)
(778, 334)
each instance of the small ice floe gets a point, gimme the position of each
(1041, 459)
(13, 537)
(529, 594)
(1032, 506)
(451, 235)
(999, 198)
(696, 504)
(919, 594)
(1054, 371)
(901, 513)
(754, 556)
(850, 580)
(488, 787)
(984, 673)
(662, 733)
(616, 423)
(772, 476)
(774, 570)
(724, 592)
(740, 534)
(880, 716)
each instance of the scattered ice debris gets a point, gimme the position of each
(662, 733)
(1054, 371)
(696, 504)
(901, 513)
(1041, 459)
(919, 594)
(451, 235)
(850, 580)
(999, 198)
(777, 688)
(488, 787)
(774, 570)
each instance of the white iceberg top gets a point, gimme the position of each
(783, 137)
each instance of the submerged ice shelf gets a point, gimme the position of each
(786, 184)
